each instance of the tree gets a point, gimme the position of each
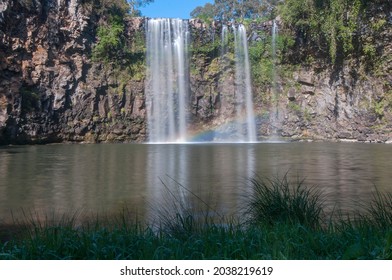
(135, 5)
(106, 8)
(236, 9)
(206, 12)
(119, 7)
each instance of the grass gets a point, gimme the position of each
(277, 201)
(282, 220)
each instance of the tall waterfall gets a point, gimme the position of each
(224, 40)
(167, 81)
(244, 99)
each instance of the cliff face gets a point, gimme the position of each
(350, 99)
(300, 94)
(52, 91)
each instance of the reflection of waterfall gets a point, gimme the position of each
(244, 98)
(212, 178)
(167, 169)
(168, 79)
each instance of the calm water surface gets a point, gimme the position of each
(146, 178)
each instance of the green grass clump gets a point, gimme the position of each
(279, 201)
(379, 211)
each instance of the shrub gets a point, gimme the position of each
(110, 42)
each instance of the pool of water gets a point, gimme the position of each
(144, 178)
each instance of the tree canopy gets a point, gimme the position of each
(236, 9)
(135, 5)
(131, 7)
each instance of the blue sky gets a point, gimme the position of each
(172, 8)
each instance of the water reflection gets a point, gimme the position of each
(148, 178)
(203, 177)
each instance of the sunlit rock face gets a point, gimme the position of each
(51, 90)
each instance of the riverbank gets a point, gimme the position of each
(280, 221)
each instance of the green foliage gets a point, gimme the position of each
(379, 212)
(106, 8)
(110, 41)
(295, 107)
(380, 107)
(29, 99)
(125, 55)
(236, 10)
(333, 23)
(379, 24)
(298, 13)
(206, 13)
(135, 5)
(209, 48)
(340, 25)
(369, 51)
(262, 72)
(264, 62)
(261, 61)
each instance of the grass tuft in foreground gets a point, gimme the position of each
(279, 201)
(379, 212)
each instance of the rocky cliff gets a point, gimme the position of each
(299, 93)
(349, 99)
(51, 90)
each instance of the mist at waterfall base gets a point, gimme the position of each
(167, 85)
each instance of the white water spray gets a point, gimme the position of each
(167, 81)
(246, 130)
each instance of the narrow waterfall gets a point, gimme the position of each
(275, 111)
(167, 82)
(224, 40)
(246, 130)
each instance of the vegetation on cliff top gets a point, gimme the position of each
(233, 9)
(122, 55)
(333, 26)
(112, 43)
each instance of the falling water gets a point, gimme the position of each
(224, 40)
(167, 79)
(246, 132)
(275, 114)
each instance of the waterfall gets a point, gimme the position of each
(275, 111)
(167, 82)
(246, 132)
(224, 40)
